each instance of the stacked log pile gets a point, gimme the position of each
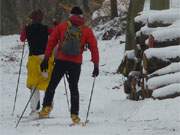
(157, 58)
(157, 53)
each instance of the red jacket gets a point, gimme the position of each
(87, 37)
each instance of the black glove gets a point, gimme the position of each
(44, 65)
(95, 72)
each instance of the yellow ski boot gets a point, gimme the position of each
(75, 119)
(44, 113)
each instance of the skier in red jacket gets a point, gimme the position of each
(69, 59)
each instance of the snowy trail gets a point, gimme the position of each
(110, 114)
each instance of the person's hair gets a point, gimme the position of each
(37, 15)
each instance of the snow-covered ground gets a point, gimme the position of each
(110, 114)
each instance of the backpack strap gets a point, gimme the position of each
(61, 42)
(69, 24)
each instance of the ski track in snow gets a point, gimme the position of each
(110, 113)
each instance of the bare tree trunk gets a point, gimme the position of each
(114, 12)
(86, 5)
(135, 6)
(9, 22)
(1, 17)
(15, 12)
(159, 4)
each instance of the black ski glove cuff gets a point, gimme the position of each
(44, 65)
(95, 72)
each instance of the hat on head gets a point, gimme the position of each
(76, 11)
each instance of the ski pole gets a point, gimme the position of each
(86, 121)
(25, 107)
(66, 91)
(19, 74)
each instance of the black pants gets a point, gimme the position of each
(60, 68)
